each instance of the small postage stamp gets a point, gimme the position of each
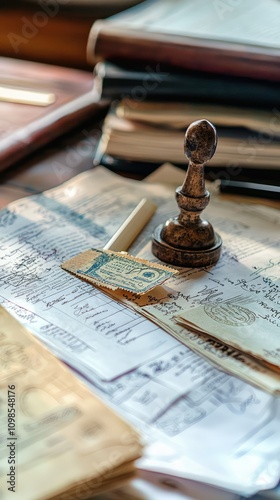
(115, 270)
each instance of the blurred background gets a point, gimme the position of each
(52, 31)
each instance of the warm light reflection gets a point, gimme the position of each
(23, 96)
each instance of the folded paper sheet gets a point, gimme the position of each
(249, 321)
(56, 438)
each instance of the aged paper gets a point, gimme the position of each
(240, 321)
(55, 436)
(214, 429)
(232, 360)
(37, 235)
(244, 313)
(252, 242)
(171, 393)
(118, 270)
(249, 269)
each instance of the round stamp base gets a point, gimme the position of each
(185, 258)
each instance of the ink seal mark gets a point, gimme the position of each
(230, 314)
(125, 273)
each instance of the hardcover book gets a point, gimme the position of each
(217, 37)
(39, 102)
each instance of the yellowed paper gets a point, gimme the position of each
(135, 364)
(250, 253)
(55, 436)
(238, 325)
(116, 270)
(230, 359)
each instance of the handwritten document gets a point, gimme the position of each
(247, 272)
(37, 235)
(202, 423)
(245, 312)
(56, 438)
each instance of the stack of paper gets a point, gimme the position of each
(154, 132)
(235, 301)
(57, 440)
(199, 422)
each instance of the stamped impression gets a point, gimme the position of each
(230, 314)
(115, 270)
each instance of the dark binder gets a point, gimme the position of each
(153, 82)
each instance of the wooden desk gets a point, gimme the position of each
(55, 163)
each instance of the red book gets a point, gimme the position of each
(26, 127)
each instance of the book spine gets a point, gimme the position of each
(115, 43)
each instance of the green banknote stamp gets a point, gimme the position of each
(118, 270)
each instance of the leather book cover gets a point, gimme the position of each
(194, 35)
(26, 127)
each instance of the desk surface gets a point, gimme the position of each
(53, 164)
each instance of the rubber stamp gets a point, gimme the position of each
(187, 240)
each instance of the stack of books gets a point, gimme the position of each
(169, 64)
(151, 133)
